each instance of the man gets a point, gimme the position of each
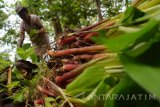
(38, 36)
(34, 28)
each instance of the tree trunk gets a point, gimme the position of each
(56, 25)
(55, 20)
(100, 17)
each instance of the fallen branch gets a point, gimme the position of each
(76, 50)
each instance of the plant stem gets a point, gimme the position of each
(72, 74)
(74, 100)
(9, 75)
(149, 4)
(76, 50)
(135, 3)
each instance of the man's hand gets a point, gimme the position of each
(22, 36)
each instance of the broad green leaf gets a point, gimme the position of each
(50, 99)
(32, 55)
(27, 52)
(22, 53)
(13, 85)
(90, 78)
(139, 49)
(96, 97)
(131, 14)
(128, 94)
(26, 46)
(145, 75)
(19, 97)
(34, 58)
(47, 102)
(126, 41)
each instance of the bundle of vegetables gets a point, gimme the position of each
(123, 69)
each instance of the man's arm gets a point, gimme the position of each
(22, 36)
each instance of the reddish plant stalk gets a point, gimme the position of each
(39, 102)
(76, 50)
(45, 91)
(69, 67)
(72, 74)
(88, 57)
(88, 38)
(66, 40)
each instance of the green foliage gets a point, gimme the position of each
(70, 12)
(98, 81)
(33, 33)
(97, 71)
(48, 100)
(131, 39)
(138, 52)
(128, 94)
(27, 52)
(131, 14)
(3, 15)
(113, 7)
(135, 70)
(8, 36)
(19, 97)
(4, 61)
(2, 18)
(22, 89)
(145, 75)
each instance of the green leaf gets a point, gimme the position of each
(47, 102)
(26, 46)
(32, 33)
(34, 58)
(146, 76)
(90, 78)
(50, 99)
(13, 85)
(19, 97)
(128, 94)
(101, 36)
(139, 49)
(129, 40)
(96, 97)
(32, 55)
(27, 52)
(22, 53)
(131, 14)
